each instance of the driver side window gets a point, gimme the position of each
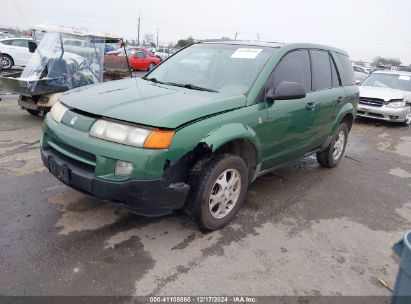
(293, 67)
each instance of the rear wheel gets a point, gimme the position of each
(6, 62)
(217, 191)
(151, 66)
(332, 155)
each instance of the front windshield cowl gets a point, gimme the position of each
(218, 67)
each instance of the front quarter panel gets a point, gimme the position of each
(243, 123)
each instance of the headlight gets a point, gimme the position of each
(57, 111)
(130, 135)
(397, 104)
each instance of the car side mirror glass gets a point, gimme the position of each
(32, 46)
(286, 90)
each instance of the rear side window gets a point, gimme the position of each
(345, 68)
(321, 68)
(20, 43)
(293, 67)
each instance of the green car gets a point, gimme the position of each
(195, 131)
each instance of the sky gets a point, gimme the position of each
(364, 28)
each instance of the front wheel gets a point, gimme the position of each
(218, 189)
(407, 120)
(332, 155)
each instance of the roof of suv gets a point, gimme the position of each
(278, 45)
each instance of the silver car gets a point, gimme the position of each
(386, 95)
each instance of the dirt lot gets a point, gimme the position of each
(303, 230)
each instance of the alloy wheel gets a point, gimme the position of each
(5, 63)
(339, 145)
(225, 193)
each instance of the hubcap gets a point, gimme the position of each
(408, 119)
(224, 193)
(339, 145)
(5, 62)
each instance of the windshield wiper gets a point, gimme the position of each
(187, 85)
(154, 80)
(191, 87)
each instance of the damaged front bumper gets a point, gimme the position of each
(147, 197)
(383, 113)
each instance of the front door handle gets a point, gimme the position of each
(310, 106)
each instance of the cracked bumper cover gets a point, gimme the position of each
(146, 197)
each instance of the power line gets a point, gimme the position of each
(21, 13)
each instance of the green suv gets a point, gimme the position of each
(194, 132)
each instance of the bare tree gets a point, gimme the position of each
(386, 61)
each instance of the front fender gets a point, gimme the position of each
(230, 132)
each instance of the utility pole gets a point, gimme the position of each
(157, 37)
(138, 32)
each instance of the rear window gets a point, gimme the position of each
(345, 68)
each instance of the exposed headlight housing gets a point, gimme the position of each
(57, 111)
(131, 135)
(397, 104)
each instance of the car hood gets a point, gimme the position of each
(144, 102)
(383, 93)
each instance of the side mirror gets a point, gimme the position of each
(286, 90)
(32, 46)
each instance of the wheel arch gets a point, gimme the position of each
(12, 59)
(234, 138)
(346, 115)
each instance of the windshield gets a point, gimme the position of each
(392, 81)
(223, 68)
(73, 61)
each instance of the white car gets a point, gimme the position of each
(360, 73)
(386, 95)
(163, 53)
(14, 52)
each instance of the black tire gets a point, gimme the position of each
(326, 158)
(33, 112)
(203, 178)
(151, 66)
(407, 120)
(6, 62)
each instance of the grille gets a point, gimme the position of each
(76, 151)
(374, 102)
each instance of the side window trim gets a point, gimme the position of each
(332, 62)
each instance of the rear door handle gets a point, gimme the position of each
(310, 106)
(339, 99)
